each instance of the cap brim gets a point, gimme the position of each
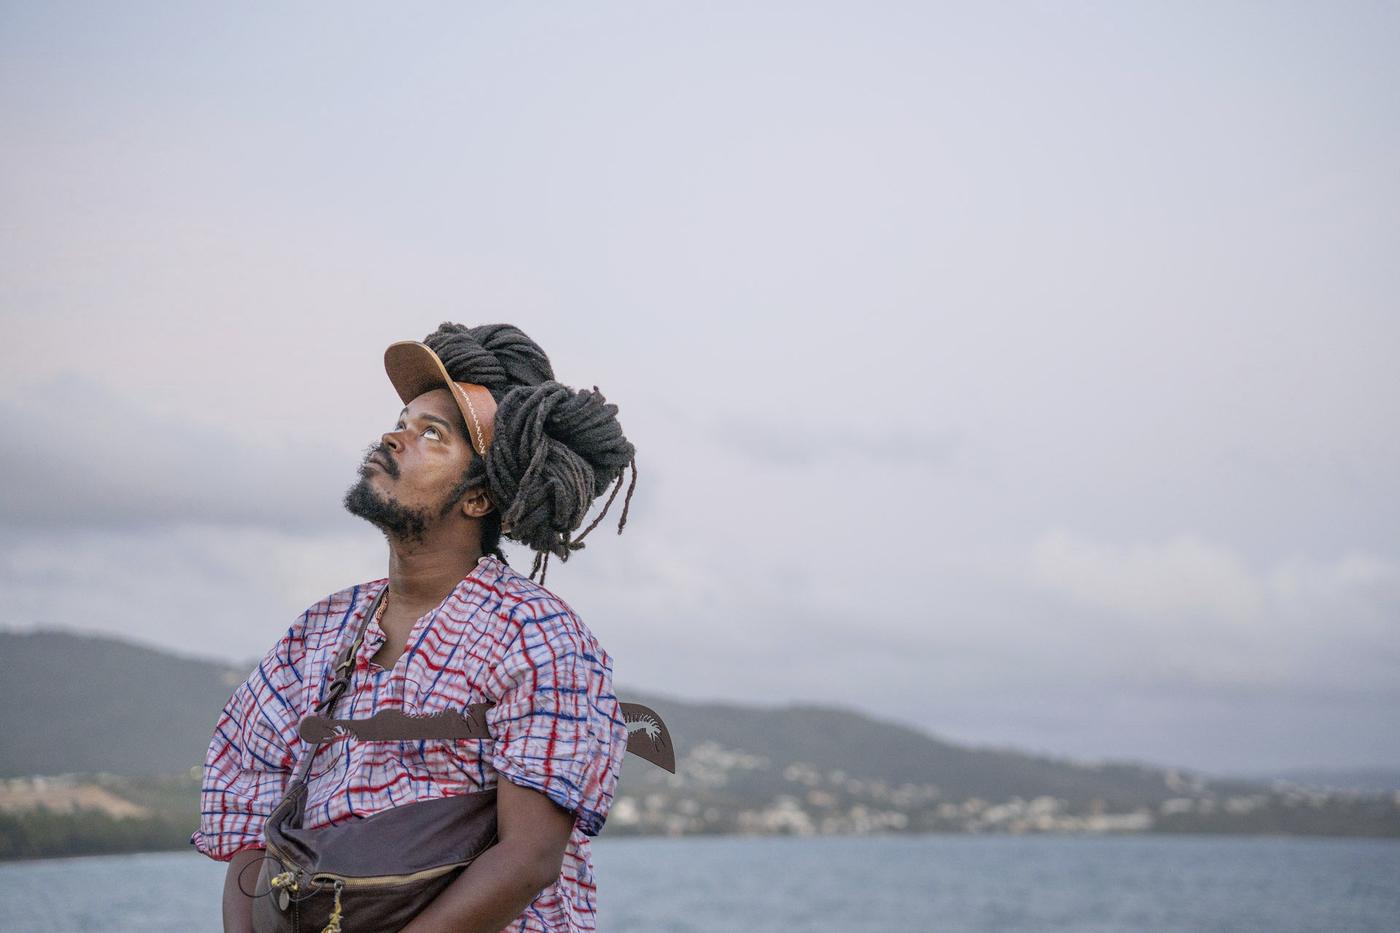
(414, 368)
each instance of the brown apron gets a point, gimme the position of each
(379, 871)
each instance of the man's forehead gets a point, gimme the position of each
(435, 402)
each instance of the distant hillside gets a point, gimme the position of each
(73, 702)
(1355, 780)
(87, 703)
(116, 718)
(830, 738)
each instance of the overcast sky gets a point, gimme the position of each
(1027, 374)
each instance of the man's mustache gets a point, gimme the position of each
(379, 456)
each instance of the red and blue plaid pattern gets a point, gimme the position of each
(499, 637)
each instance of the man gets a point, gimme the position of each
(458, 626)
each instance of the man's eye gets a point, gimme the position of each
(425, 430)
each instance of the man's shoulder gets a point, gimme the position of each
(530, 605)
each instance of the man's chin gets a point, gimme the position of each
(364, 501)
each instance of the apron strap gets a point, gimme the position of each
(344, 666)
(647, 735)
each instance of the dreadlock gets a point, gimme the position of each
(554, 450)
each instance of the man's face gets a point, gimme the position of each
(411, 478)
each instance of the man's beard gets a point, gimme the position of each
(394, 519)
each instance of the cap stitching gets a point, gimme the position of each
(480, 438)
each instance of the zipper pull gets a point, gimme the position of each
(334, 925)
(284, 882)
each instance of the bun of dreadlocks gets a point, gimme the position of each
(554, 450)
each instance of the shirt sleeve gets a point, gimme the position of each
(557, 724)
(249, 762)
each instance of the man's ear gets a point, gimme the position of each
(476, 504)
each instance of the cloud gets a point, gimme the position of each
(210, 590)
(1182, 576)
(1189, 612)
(785, 442)
(81, 456)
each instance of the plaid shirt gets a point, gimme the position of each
(498, 637)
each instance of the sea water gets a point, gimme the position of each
(840, 884)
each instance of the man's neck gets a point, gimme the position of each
(422, 575)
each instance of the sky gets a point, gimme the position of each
(1023, 373)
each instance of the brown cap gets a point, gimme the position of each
(414, 368)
